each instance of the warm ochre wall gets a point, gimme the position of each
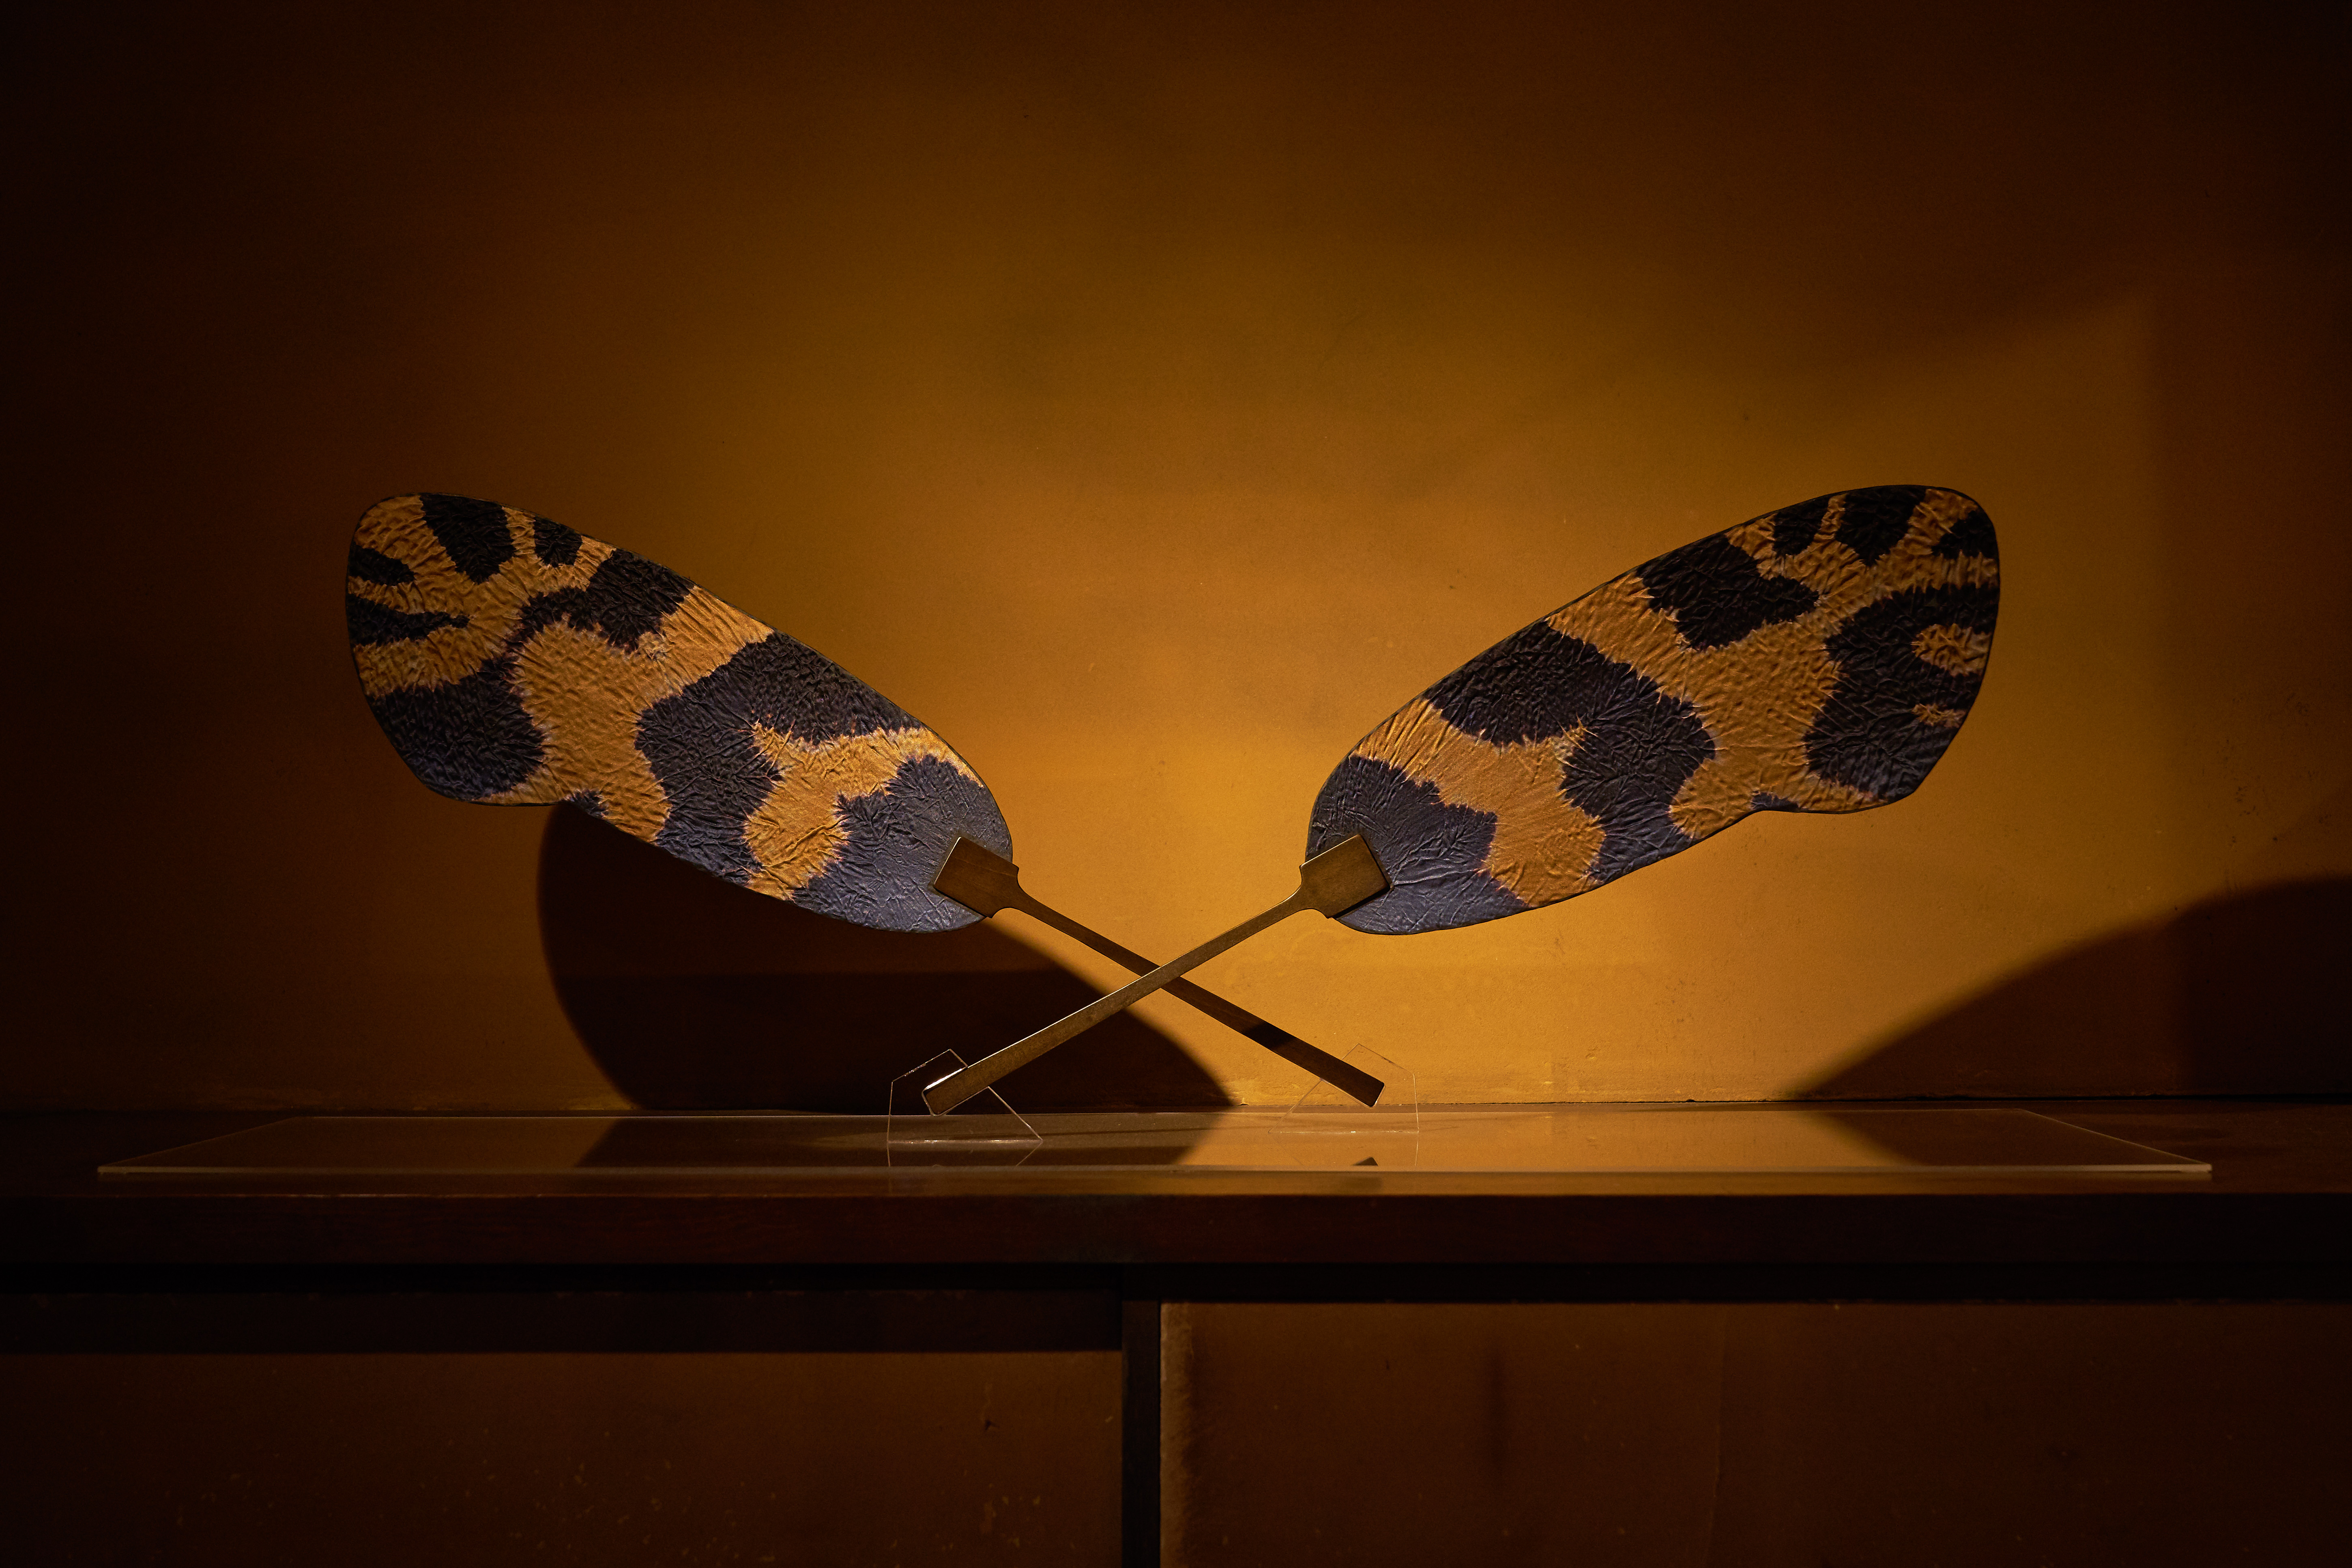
(1151, 398)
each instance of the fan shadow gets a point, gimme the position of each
(2238, 994)
(694, 994)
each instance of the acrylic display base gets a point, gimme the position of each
(1518, 1141)
(1329, 1129)
(983, 1131)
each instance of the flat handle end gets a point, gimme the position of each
(1341, 876)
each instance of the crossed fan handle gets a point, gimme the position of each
(1332, 883)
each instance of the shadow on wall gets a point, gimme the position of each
(694, 994)
(2240, 995)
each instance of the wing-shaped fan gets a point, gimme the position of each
(1820, 657)
(514, 661)
(1817, 658)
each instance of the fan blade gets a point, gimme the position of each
(514, 661)
(1817, 658)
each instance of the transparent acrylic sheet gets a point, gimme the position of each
(1329, 1129)
(1570, 1139)
(983, 1131)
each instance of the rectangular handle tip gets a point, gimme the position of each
(1342, 876)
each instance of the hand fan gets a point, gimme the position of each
(1817, 658)
(516, 662)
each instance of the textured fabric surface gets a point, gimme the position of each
(1820, 657)
(514, 661)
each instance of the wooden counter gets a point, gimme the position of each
(1084, 1258)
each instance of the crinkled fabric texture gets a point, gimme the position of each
(1820, 657)
(515, 661)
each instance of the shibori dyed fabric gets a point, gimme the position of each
(514, 661)
(1820, 657)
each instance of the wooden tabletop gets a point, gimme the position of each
(2279, 1196)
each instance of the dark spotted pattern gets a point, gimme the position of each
(700, 743)
(883, 874)
(1819, 658)
(552, 542)
(1796, 527)
(473, 532)
(513, 660)
(1874, 521)
(1639, 747)
(1431, 851)
(471, 738)
(1717, 593)
(1536, 683)
(373, 624)
(623, 602)
(1972, 536)
(369, 566)
(1869, 733)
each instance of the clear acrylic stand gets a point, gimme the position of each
(983, 1131)
(1329, 1129)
